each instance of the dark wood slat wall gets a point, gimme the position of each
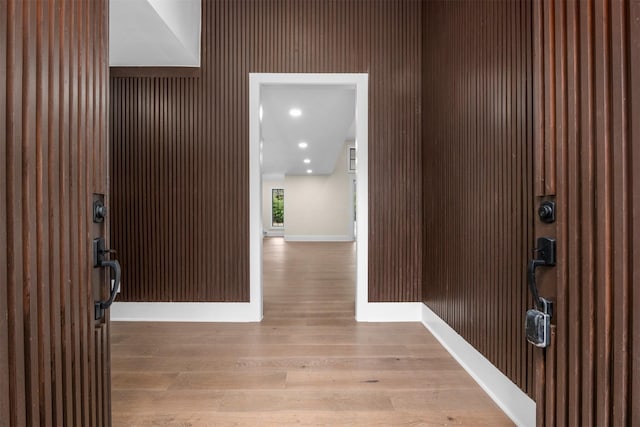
(5, 400)
(53, 125)
(589, 73)
(478, 178)
(634, 135)
(180, 145)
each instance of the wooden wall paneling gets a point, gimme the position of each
(592, 360)
(478, 182)
(54, 126)
(65, 214)
(633, 22)
(42, 233)
(529, 110)
(47, 303)
(200, 140)
(30, 150)
(603, 214)
(556, 153)
(620, 280)
(5, 402)
(90, 178)
(587, 207)
(16, 371)
(572, 178)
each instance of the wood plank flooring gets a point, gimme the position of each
(307, 363)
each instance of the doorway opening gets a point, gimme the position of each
(257, 84)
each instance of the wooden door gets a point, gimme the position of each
(54, 357)
(587, 139)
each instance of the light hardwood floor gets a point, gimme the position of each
(307, 363)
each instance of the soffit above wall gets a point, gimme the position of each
(154, 33)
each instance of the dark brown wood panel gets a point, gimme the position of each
(180, 152)
(478, 179)
(634, 135)
(5, 401)
(53, 125)
(589, 74)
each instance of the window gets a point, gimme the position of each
(351, 159)
(277, 207)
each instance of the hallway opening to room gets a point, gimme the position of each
(308, 140)
(307, 133)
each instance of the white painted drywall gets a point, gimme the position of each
(319, 206)
(154, 33)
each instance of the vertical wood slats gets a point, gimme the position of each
(53, 55)
(595, 360)
(634, 158)
(478, 182)
(180, 146)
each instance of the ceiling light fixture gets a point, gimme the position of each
(307, 161)
(295, 112)
(303, 144)
(309, 171)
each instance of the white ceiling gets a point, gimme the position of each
(327, 121)
(154, 33)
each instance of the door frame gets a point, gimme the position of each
(361, 83)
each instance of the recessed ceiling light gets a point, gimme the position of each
(303, 144)
(307, 161)
(261, 112)
(309, 171)
(295, 112)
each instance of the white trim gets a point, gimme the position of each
(255, 200)
(390, 312)
(361, 82)
(244, 312)
(317, 238)
(352, 221)
(274, 233)
(508, 396)
(184, 312)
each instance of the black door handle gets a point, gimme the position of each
(540, 302)
(99, 252)
(538, 321)
(546, 257)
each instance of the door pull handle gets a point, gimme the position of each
(99, 261)
(538, 320)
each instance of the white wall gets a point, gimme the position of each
(267, 186)
(320, 207)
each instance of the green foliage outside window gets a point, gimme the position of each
(277, 207)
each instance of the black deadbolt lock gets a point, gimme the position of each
(547, 212)
(99, 211)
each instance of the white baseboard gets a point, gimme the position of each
(186, 312)
(389, 312)
(318, 238)
(274, 233)
(246, 312)
(513, 401)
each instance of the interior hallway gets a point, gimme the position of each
(307, 363)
